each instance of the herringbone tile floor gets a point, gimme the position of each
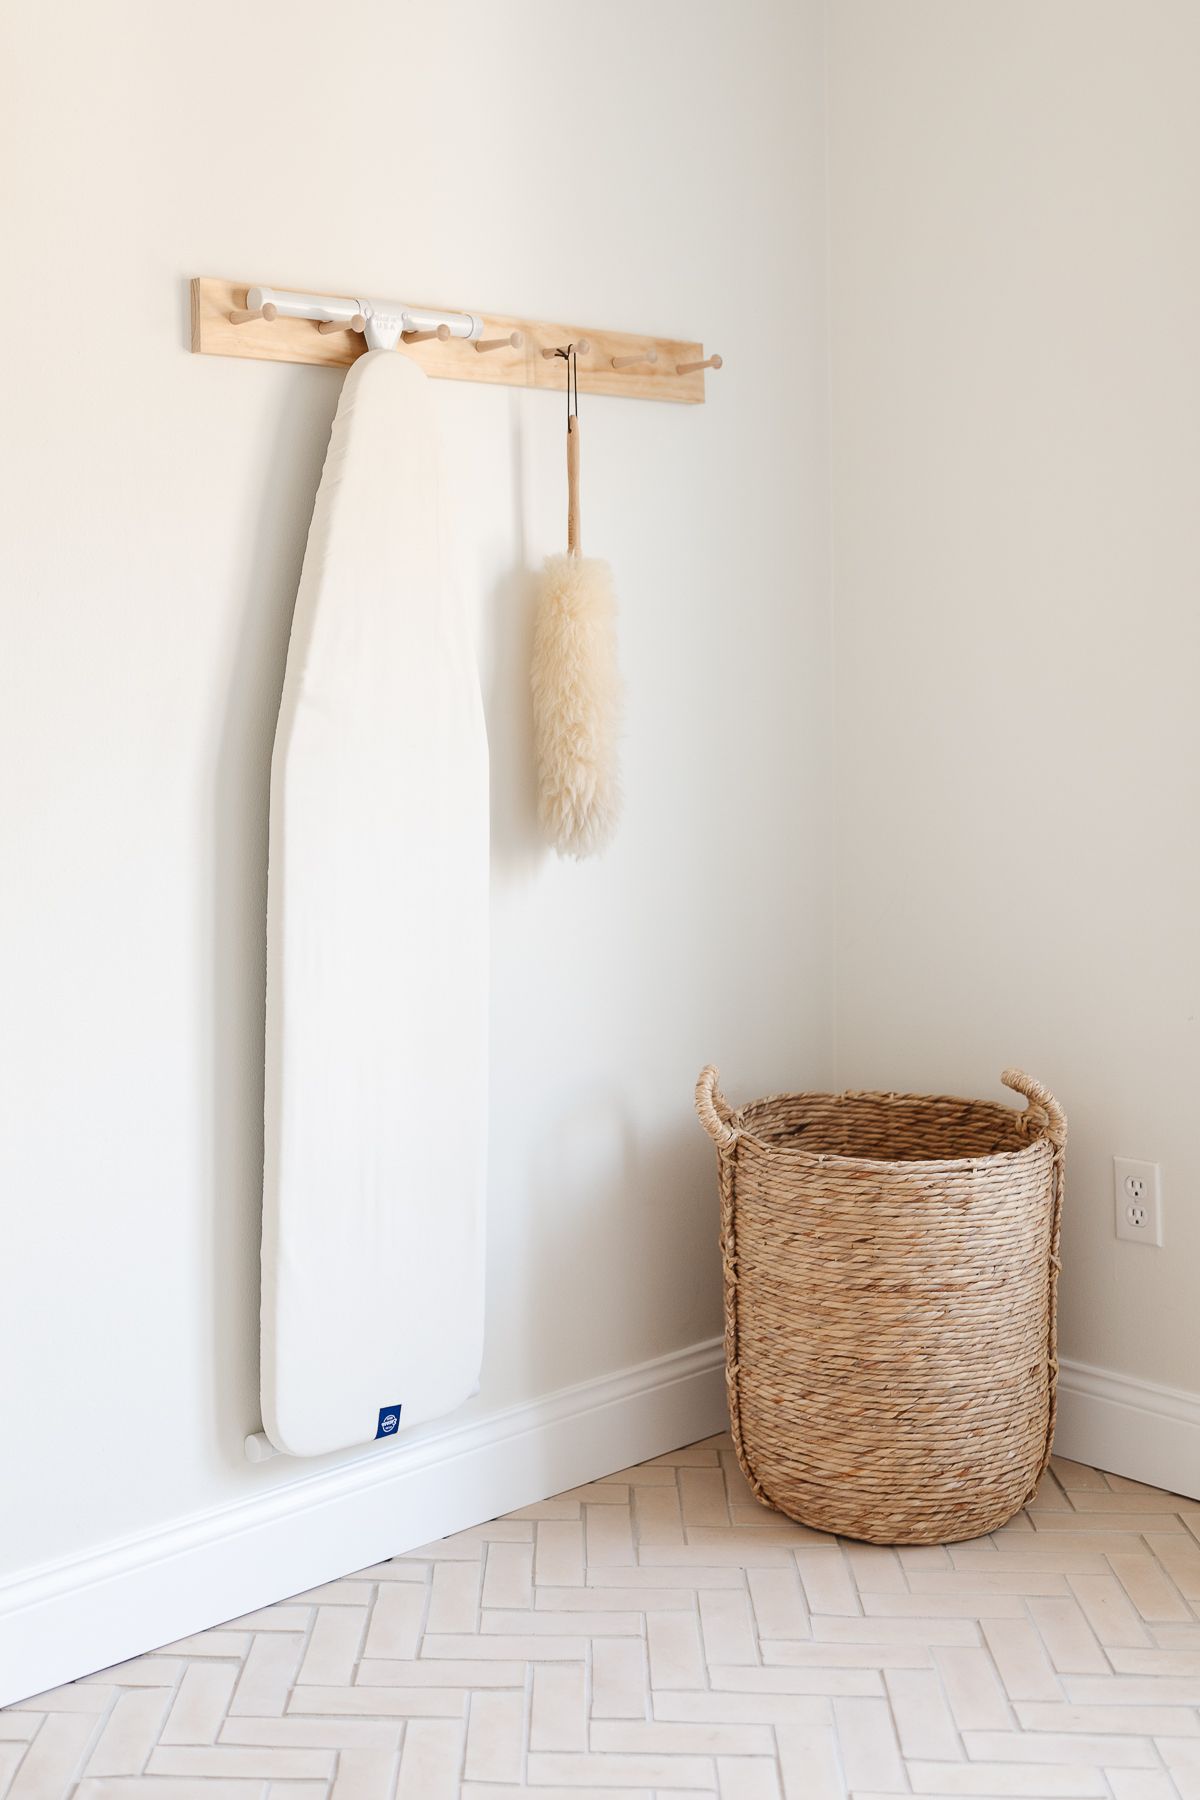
(658, 1633)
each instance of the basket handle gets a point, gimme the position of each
(714, 1110)
(1039, 1096)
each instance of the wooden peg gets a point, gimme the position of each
(419, 337)
(581, 346)
(328, 326)
(710, 362)
(513, 341)
(242, 315)
(631, 362)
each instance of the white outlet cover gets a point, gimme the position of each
(1138, 1201)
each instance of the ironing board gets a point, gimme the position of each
(377, 928)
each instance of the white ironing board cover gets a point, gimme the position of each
(377, 925)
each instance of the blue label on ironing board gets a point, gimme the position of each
(389, 1421)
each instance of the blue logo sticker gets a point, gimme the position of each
(389, 1421)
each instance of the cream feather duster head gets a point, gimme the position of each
(577, 704)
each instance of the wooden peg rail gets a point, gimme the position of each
(616, 362)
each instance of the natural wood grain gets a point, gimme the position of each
(299, 341)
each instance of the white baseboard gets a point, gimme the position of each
(1129, 1427)
(72, 1618)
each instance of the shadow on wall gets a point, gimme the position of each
(594, 1179)
(274, 531)
(517, 842)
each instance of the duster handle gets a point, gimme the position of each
(573, 539)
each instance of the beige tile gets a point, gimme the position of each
(1132, 1690)
(620, 1679)
(1140, 1721)
(702, 1497)
(454, 1592)
(283, 1617)
(496, 1735)
(178, 1787)
(923, 1719)
(1050, 1497)
(53, 1760)
(546, 1622)
(12, 1753)
(691, 1456)
(267, 1674)
(130, 1732)
(738, 1678)
(647, 1736)
(870, 1753)
(1040, 1781)
(894, 1631)
(778, 1602)
(669, 1772)
(79, 1696)
(366, 1775)
(943, 1606)
(200, 1704)
(600, 1493)
(19, 1727)
(875, 1569)
(967, 1583)
(1079, 1522)
(242, 1762)
(558, 1559)
(1141, 1784)
(688, 1706)
(809, 1763)
(431, 1760)
(558, 1707)
(646, 1475)
(1108, 1611)
(1020, 1656)
(828, 1655)
(210, 1643)
(609, 1538)
(1044, 1557)
(297, 1732)
(973, 1690)
(464, 1672)
(1070, 1642)
(688, 1578)
(142, 1671)
(335, 1645)
(506, 1648)
(542, 1509)
(1180, 1557)
(605, 1599)
(508, 1578)
(740, 1552)
(656, 1516)
(395, 1627)
(676, 1657)
(1069, 1747)
(828, 1588)
(1077, 1477)
(373, 1702)
(1155, 1662)
(748, 1778)
(727, 1626)
(1152, 1594)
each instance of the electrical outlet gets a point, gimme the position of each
(1137, 1196)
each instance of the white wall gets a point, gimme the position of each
(1015, 270)
(624, 167)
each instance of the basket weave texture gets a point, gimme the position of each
(890, 1265)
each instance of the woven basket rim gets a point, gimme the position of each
(739, 1122)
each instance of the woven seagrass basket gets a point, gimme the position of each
(890, 1266)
